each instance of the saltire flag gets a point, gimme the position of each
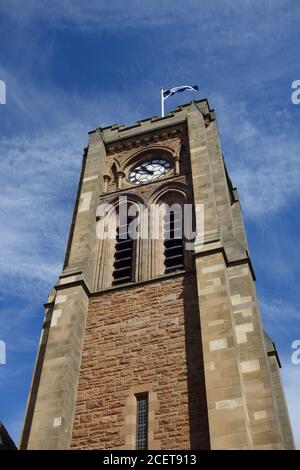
(178, 89)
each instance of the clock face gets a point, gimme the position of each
(149, 170)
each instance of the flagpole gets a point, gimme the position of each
(162, 102)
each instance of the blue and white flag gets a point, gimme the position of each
(178, 89)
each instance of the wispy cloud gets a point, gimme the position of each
(278, 310)
(263, 160)
(39, 171)
(281, 319)
(140, 13)
(37, 177)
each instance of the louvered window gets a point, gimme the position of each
(123, 255)
(173, 243)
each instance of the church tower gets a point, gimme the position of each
(152, 337)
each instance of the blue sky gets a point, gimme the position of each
(70, 66)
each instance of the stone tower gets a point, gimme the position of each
(145, 343)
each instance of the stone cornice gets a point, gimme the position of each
(143, 138)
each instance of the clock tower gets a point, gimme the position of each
(152, 337)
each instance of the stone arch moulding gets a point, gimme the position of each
(132, 197)
(178, 187)
(168, 152)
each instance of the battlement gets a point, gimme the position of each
(115, 131)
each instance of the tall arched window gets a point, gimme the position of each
(167, 251)
(119, 246)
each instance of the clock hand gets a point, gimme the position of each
(145, 169)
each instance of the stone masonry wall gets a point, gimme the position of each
(145, 338)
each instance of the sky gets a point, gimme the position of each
(70, 66)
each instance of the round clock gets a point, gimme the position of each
(149, 170)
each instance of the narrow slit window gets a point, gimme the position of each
(173, 243)
(142, 422)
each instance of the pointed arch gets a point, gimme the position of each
(115, 162)
(177, 187)
(152, 151)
